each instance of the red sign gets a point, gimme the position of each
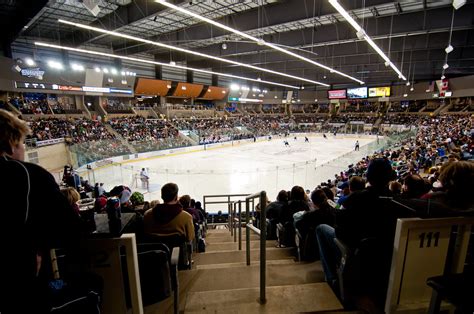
(337, 94)
(70, 88)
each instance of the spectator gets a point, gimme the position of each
(72, 197)
(413, 186)
(185, 201)
(169, 217)
(355, 222)
(37, 217)
(395, 188)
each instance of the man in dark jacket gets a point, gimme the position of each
(366, 215)
(169, 217)
(35, 218)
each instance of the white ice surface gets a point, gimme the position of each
(246, 168)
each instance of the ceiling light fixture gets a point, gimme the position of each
(55, 65)
(257, 40)
(369, 40)
(458, 4)
(111, 55)
(154, 43)
(77, 67)
(30, 62)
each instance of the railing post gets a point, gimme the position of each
(229, 217)
(247, 230)
(240, 225)
(233, 222)
(263, 242)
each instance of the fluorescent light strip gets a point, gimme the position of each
(259, 41)
(154, 43)
(110, 55)
(369, 40)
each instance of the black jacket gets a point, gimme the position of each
(35, 217)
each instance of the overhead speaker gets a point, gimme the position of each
(92, 6)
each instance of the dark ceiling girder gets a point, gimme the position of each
(276, 13)
(124, 15)
(17, 16)
(327, 34)
(406, 23)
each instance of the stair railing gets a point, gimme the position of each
(263, 238)
(223, 199)
(238, 222)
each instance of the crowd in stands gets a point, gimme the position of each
(59, 108)
(30, 106)
(346, 118)
(310, 108)
(190, 107)
(368, 107)
(430, 175)
(415, 106)
(323, 108)
(74, 130)
(404, 119)
(138, 129)
(425, 177)
(116, 105)
(309, 119)
(363, 106)
(397, 107)
(353, 117)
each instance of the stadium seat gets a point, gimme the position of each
(426, 248)
(361, 273)
(158, 267)
(174, 241)
(457, 289)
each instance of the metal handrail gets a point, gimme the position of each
(263, 238)
(228, 202)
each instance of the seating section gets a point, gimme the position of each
(417, 168)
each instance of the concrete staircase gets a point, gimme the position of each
(221, 282)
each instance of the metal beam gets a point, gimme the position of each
(276, 13)
(124, 15)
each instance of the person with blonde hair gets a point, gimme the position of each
(35, 218)
(72, 197)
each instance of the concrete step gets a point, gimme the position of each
(240, 256)
(279, 273)
(285, 261)
(228, 238)
(227, 246)
(239, 276)
(218, 233)
(313, 297)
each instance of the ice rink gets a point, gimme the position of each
(245, 168)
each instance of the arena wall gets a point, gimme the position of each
(51, 157)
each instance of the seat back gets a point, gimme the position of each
(172, 241)
(424, 248)
(155, 276)
(362, 271)
(286, 234)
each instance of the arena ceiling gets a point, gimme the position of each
(414, 34)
